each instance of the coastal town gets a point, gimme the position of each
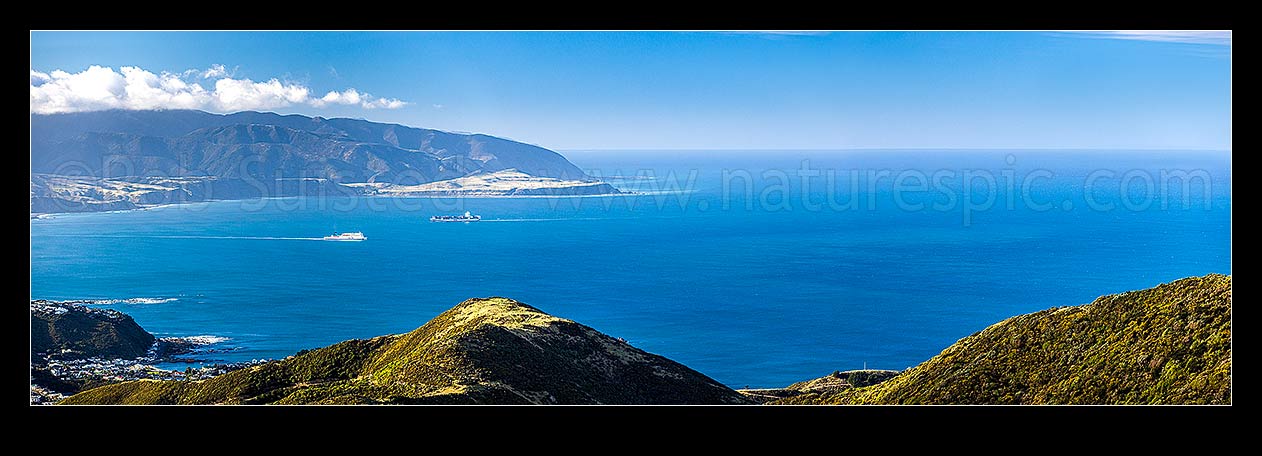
(76, 346)
(96, 371)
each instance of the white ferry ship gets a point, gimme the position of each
(353, 236)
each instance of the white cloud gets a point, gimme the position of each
(240, 94)
(347, 97)
(99, 88)
(95, 88)
(38, 78)
(364, 100)
(1215, 37)
(384, 103)
(215, 71)
(145, 90)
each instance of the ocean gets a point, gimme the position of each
(757, 268)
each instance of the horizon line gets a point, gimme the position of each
(834, 149)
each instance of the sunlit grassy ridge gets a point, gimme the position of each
(493, 350)
(1165, 345)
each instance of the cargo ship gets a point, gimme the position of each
(467, 217)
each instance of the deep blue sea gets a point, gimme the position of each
(757, 268)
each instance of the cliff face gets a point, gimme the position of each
(1165, 345)
(483, 351)
(72, 331)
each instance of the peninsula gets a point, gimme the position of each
(118, 160)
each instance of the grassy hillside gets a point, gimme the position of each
(489, 351)
(1165, 345)
(74, 331)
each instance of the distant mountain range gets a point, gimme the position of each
(267, 145)
(245, 153)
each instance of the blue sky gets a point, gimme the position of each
(680, 90)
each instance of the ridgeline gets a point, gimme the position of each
(483, 351)
(1165, 345)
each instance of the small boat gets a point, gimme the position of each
(467, 217)
(353, 236)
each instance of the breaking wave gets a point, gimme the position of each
(107, 302)
(204, 339)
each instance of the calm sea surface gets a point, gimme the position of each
(755, 268)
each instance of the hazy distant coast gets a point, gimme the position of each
(124, 160)
(52, 194)
(499, 183)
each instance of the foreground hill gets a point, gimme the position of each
(483, 351)
(71, 331)
(1165, 345)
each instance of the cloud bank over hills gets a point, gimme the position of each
(215, 89)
